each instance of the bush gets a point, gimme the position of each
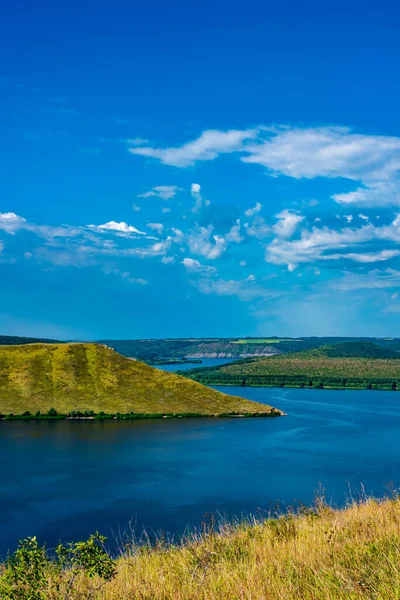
(29, 573)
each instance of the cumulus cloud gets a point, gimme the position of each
(258, 228)
(165, 192)
(233, 234)
(207, 146)
(204, 243)
(10, 222)
(195, 188)
(121, 227)
(287, 223)
(250, 212)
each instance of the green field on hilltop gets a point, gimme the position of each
(348, 365)
(92, 378)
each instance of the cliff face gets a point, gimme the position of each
(201, 348)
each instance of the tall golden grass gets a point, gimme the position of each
(320, 554)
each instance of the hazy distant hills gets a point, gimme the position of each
(13, 340)
(239, 348)
(232, 347)
(356, 365)
(90, 377)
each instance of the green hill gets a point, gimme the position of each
(91, 377)
(354, 350)
(361, 365)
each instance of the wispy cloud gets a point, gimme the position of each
(303, 152)
(208, 146)
(195, 266)
(246, 290)
(165, 192)
(324, 244)
(205, 243)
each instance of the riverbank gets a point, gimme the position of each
(350, 385)
(138, 416)
(316, 554)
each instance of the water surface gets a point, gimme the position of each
(65, 480)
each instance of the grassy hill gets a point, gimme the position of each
(90, 377)
(354, 350)
(349, 365)
(321, 554)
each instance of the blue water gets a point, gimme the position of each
(205, 362)
(65, 480)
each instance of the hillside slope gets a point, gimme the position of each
(350, 365)
(354, 350)
(80, 377)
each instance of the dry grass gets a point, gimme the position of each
(325, 554)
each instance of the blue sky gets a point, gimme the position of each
(173, 169)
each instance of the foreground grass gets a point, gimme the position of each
(92, 378)
(322, 554)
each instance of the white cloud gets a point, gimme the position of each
(250, 212)
(329, 244)
(208, 146)
(375, 279)
(258, 228)
(205, 244)
(303, 152)
(10, 222)
(378, 193)
(195, 191)
(126, 276)
(234, 233)
(328, 151)
(243, 263)
(246, 290)
(165, 192)
(287, 223)
(158, 227)
(168, 260)
(121, 227)
(194, 265)
(136, 208)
